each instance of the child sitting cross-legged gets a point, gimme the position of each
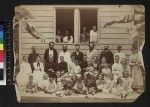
(100, 82)
(109, 83)
(79, 87)
(31, 85)
(44, 83)
(106, 71)
(119, 89)
(51, 88)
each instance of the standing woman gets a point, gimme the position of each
(23, 75)
(136, 70)
(67, 38)
(38, 70)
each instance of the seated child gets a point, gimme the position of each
(100, 82)
(51, 88)
(76, 68)
(59, 84)
(102, 63)
(44, 83)
(119, 89)
(109, 83)
(89, 68)
(106, 71)
(90, 83)
(117, 68)
(127, 82)
(31, 86)
(95, 63)
(79, 87)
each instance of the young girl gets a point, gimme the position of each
(127, 82)
(38, 70)
(44, 83)
(100, 82)
(119, 90)
(76, 68)
(23, 76)
(89, 68)
(102, 63)
(117, 68)
(109, 83)
(95, 63)
(31, 86)
(106, 71)
(51, 88)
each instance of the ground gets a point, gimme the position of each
(42, 97)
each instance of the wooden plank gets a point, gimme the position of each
(115, 41)
(111, 13)
(113, 30)
(113, 36)
(38, 7)
(42, 13)
(45, 35)
(32, 41)
(42, 30)
(123, 8)
(41, 52)
(116, 25)
(41, 24)
(43, 18)
(42, 46)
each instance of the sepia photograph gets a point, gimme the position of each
(78, 53)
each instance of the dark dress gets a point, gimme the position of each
(32, 58)
(108, 55)
(83, 66)
(62, 66)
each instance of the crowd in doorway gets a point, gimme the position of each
(85, 36)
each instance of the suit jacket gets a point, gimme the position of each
(78, 57)
(108, 55)
(46, 56)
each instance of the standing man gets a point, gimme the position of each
(32, 57)
(50, 57)
(78, 54)
(91, 52)
(93, 35)
(107, 54)
(120, 53)
(65, 54)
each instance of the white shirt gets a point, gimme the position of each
(65, 40)
(76, 69)
(91, 54)
(121, 55)
(93, 36)
(66, 55)
(50, 53)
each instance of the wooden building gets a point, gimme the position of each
(48, 17)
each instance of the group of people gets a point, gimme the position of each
(85, 37)
(77, 73)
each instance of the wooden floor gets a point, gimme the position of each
(41, 97)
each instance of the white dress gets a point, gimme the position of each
(23, 76)
(65, 39)
(66, 55)
(93, 36)
(121, 55)
(117, 70)
(38, 72)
